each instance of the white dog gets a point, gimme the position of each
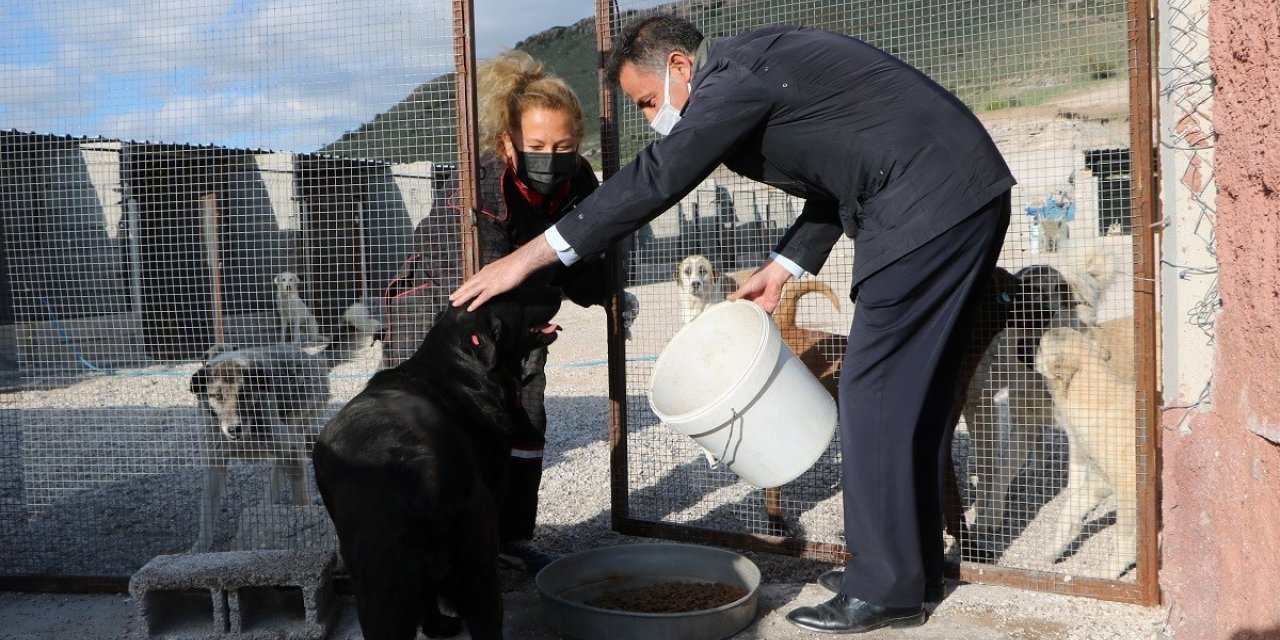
(1095, 406)
(701, 285)
(1089, 270)
(261, 403)
(297, 324)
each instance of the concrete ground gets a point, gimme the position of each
(970, 612)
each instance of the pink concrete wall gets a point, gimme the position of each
(1221, 504)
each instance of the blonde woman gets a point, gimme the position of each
(531, 175)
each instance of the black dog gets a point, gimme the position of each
(413, 470)
(1044, 301)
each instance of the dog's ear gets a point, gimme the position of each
(481, 336)
(200, 381)
(258, 378)
(675, 274)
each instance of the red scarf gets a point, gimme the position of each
(553, 199)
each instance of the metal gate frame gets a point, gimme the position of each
(1145, 589)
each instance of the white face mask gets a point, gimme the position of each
(667, 115)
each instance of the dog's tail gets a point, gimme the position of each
(359, 316)
(785, 314)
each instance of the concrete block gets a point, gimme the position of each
(240, 595)
(278, 526)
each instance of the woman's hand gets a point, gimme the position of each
(764, 287)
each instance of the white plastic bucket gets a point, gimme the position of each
(728, 381)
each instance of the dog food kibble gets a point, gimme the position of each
(669, 597)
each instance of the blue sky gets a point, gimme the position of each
(278, 74)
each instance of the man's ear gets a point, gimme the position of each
(681, 65)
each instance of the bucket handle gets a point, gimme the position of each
(715, 460)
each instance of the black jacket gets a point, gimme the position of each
(878, 150)
(508, 219)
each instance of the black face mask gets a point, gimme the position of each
(544, 171)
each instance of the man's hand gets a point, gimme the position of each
(504, 274)
(764, 287)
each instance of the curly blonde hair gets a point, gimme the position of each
(511, 83)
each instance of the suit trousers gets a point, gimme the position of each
(912, 324)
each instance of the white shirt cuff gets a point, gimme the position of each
(565, 252)
(795, 269)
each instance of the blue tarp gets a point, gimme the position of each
(1052, 210)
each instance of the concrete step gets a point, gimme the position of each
(240, 595)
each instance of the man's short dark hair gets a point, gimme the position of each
(647, 43)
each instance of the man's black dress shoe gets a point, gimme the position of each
(933, 591)
(846, 614)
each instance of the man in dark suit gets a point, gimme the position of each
(880, 153)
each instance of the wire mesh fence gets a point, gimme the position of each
(167, 233)
(218, 221)
(1047, 475)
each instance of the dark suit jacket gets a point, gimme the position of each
(878, 150)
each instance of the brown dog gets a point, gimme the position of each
(819, 351)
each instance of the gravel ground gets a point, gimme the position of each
(114, 459)
(970, 612)
(116, 527)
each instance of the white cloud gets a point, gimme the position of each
(281, 74)
(500, 24)
(286, 74)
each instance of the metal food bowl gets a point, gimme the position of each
(566, 584)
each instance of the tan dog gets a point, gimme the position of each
(701, 285)
(1096, 408)
(1046, 295)
(1055, 233)
(819, 351)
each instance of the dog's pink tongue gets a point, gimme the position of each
(550, 329)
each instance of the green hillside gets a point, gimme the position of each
(993, 55)
(420, 127)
